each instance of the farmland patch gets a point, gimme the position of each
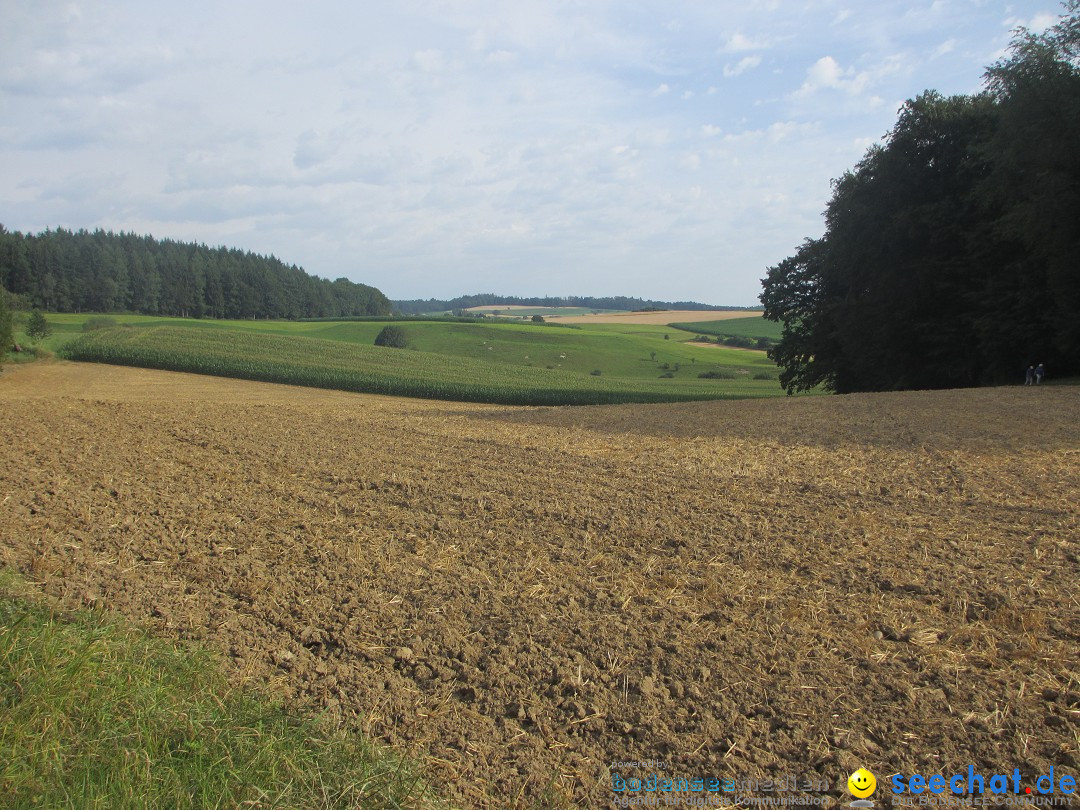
(523, 596)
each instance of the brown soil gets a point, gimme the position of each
(525, 596)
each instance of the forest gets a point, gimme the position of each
(101, 271)
(949, 256)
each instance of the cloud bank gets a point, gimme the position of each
(671, 151)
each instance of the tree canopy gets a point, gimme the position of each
(37, 327)
(66, 271)
(949, 252)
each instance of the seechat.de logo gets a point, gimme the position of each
(861, 785)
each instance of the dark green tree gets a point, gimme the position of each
(392, 336)
(948, 257)
(795, 293)
(37, 328)
(879, 302)
(101, 271)
(1033, 196)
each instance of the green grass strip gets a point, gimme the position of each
(94, 713)
(756, 327)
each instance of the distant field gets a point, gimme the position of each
(662, 317)
(507, 362)
(756, 327)
(545, 312)
(470, 367)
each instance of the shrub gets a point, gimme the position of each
(391, 336)
(595, 372)
(764, 375)
(98, 322)
(739, 342)
(37, 327)
(667, 375)
(716, 375)
(537, 318)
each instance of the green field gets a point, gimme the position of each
(510, 363)
(756, 327)
(546, 312)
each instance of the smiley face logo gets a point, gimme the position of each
(861, 783)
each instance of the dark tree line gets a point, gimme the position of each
(950, 253)
(420, 306)
(6, 326)
(65, 271)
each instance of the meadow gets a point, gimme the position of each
(544, 312)
(737, 327)
(504, 362)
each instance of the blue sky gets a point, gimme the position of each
(668, 150)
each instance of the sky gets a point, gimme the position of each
(666, 150)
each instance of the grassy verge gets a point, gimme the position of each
(756, 327)
(348, 366)
(96, 714)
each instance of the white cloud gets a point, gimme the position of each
(826, 74)
(1040, 22)
(740, 67)
(740, 42)
(691, 161)
(946, 47)
(775, 133)
(425, 146)
(430, 60)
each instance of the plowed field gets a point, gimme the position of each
(524, 597)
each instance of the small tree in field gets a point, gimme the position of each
(392, 336)
(37, 327)
(537, 318)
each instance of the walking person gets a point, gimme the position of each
(1029, 377)
(1040, 372)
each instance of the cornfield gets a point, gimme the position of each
(343, 366)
